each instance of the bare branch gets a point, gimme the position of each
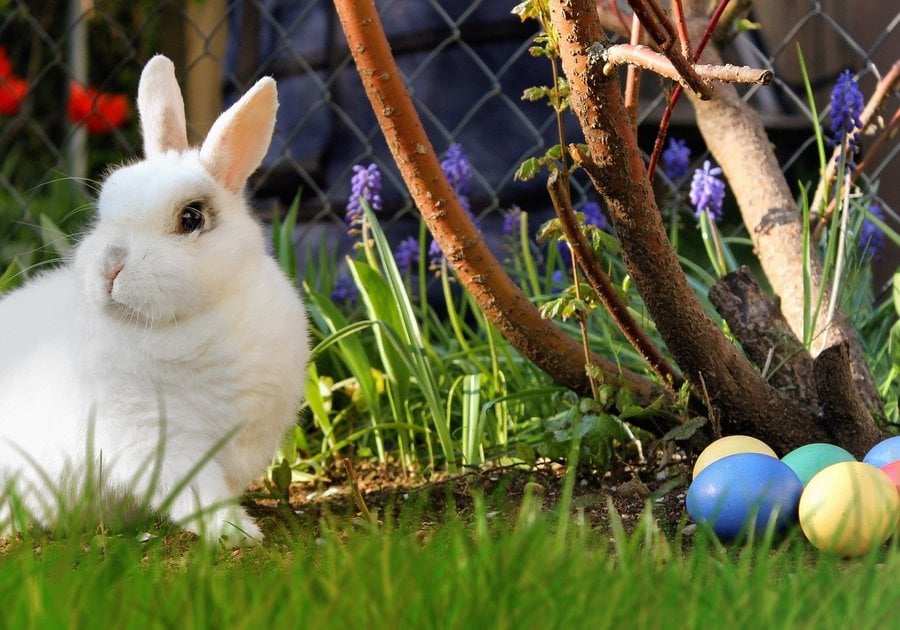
(649, 59)
(604, 288)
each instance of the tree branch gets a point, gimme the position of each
(615, 167)
(844, 414)
(767, 339)
(604, 288)
(735, 136)
(649, 59)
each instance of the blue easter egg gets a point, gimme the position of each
(884, 452)
(742, 492)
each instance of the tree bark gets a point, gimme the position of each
(767, 339)
(843, 412)
(747, 404)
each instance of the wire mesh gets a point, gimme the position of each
(466, 63)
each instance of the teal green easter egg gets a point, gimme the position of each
(808, 460)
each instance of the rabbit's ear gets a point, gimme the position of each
(239, 139)
(161, 108)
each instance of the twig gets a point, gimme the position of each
(357, 494)
(502, 302)
(649, 59)
(664, 35)
(601, 283)
(633, 76)
(681, 25)
(614, 6)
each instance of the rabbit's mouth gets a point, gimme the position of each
(128, 314)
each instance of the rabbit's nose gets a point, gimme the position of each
(113, 263)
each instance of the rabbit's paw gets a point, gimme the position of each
(229, 526)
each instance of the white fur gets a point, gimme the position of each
(197, 336)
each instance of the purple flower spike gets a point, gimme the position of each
(458, 170)
(676, 159)
(407, 253)
(435, 255)
(593, 215)
(344, 290)
(365, 184)
(846, 106)
(512, 222)
(871, 238)
(708, 191)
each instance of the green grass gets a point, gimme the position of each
(481, 574)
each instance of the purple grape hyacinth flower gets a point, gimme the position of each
(512, 222)
(435, 255)
(707, 191)
(344, 290)
(871, 238)
(846, 106)
(406, 254)
(458, 169)
(365, 184)
(593, 215)
(676, 159)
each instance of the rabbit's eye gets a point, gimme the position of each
(190, 218)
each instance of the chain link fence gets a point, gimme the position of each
(466, 63)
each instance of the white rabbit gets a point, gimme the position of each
(169, 338)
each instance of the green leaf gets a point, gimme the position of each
(535, 93)
(53, 236)
(12, 277)
(550, 229)
(554, 152)
(283, 240)
(528, 170)
(526, 453)
(896, 292)
(281, 477)
(894, 344)
(685, 430)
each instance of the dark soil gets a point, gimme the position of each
(391, 494)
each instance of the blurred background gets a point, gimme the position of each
(69, 70)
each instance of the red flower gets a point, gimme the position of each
(5, 63)
(12, 93)
(12, 88)
(99, 112)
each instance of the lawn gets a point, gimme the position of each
(521, 566)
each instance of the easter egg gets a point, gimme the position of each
(884, 452)
(849, 509)
(743, 492)
(892, 470)
(730, 445)
(808, 460)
